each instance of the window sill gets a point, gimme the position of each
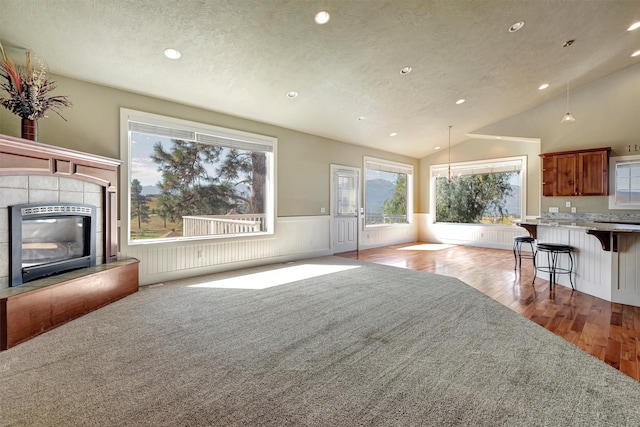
(144, 242)
(397, 224)
(475, 224)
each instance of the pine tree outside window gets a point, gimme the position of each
(193, 181)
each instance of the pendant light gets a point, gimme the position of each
(449, 171)
(568, 118)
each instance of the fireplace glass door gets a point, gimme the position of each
(51, 240)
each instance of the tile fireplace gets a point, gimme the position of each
(58, 238)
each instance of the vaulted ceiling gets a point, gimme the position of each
(242, 57)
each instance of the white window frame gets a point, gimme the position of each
(504, 164)
(374, 163)
(201, 133)
(632, 160)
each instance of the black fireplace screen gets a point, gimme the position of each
(50, 239)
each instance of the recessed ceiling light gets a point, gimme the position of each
(362, 117)
(460, 101)
(515, 27)
(543, 86)
(172, 53)
(406, 70)
(322, 17)
(437, 148)
(634, 26)
(636, 53)
(292, 94)
(393, 134)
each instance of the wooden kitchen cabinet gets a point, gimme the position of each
(576, 173)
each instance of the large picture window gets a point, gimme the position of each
(483, 192)
(188, 180)
(388, 190)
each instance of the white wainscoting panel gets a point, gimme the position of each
(592, 265)
(421, 220)
(294, 238)
(553, 235)
(486, 236)
(627, 290)
(375, 237)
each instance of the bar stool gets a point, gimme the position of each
(518, 241)
(553, 251)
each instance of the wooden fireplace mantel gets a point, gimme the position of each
(23, 157)
(36, 307)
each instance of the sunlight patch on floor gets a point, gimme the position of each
(401, 264)
(427, 247)
(281, 276)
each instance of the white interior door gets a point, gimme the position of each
(345, 205)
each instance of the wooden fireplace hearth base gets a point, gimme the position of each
(33, 308)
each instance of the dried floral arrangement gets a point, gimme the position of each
(28, 88)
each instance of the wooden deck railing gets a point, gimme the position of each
(205, 225)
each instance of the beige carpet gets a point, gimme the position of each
(329, 342)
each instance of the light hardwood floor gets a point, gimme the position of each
(609, 331)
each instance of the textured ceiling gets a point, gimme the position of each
(242, 57)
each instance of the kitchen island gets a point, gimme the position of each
(606, 256)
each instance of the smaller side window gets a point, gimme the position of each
(625, 180)
(387, 192)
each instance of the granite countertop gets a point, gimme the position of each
(586, 225)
